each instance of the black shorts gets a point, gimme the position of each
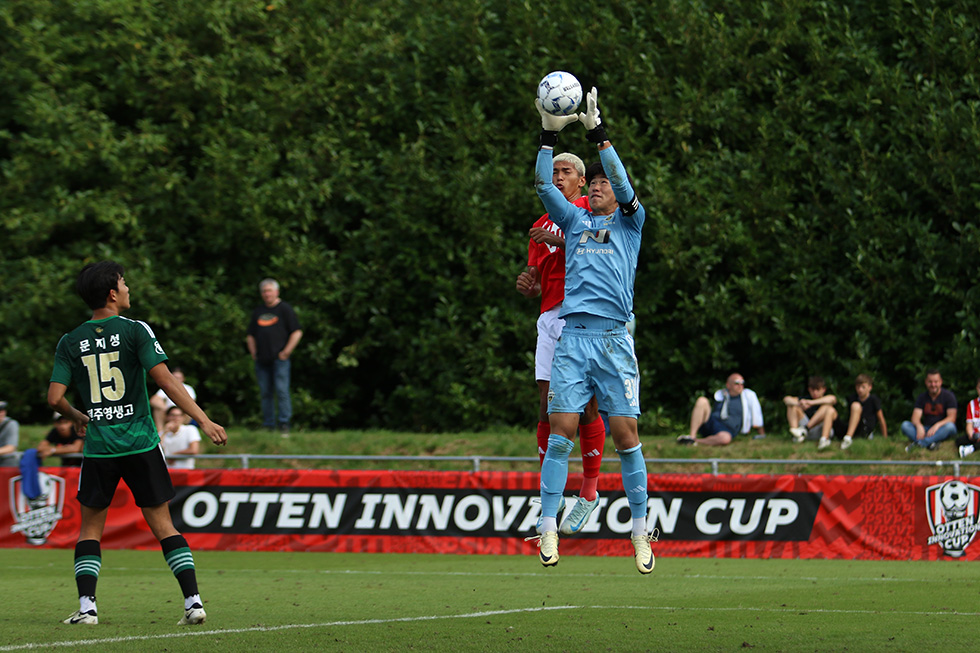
(864, 429)
(145, 474)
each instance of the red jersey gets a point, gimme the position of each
(973, 413)
(550, 261)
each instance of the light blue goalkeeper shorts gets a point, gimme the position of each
(595, 361)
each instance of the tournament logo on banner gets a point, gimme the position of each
(953, 514)
(37, 517)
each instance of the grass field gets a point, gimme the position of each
(267, 601)
(388, 602)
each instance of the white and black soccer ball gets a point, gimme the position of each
(955, 497)
(560, 93)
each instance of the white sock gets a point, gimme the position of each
(86, 604)
(191, 600)
(549, 524)
(639, 526)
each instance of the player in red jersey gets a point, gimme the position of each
(545, 276)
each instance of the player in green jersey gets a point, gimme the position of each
(107, 359)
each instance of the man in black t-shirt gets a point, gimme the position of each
(933, 417)
(273, 333)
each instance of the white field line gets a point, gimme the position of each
(511, 574)
(471, 615)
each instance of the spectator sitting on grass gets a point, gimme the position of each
(812, 415)
(9, 437)
(865, 409)
(736, 410)
(62, 439)
(933, 417)
(968, 443)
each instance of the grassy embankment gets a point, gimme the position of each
(520, 443)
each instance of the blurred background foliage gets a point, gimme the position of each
(810, 171)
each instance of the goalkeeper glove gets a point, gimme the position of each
(596, 133)
(551, 125)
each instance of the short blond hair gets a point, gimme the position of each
(574, 160)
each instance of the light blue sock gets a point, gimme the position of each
(554, 473)
(634, 471)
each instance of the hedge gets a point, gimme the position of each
(809, 171)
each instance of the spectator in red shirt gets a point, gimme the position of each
(968, 443)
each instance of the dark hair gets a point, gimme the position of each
(594, 170)
(96, 280)
(862, 378)
(173, 408)
(815, 382)
(933, 370)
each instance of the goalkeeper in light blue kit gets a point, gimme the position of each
(595, 353)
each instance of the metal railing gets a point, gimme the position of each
(714, 463)
(245, 459)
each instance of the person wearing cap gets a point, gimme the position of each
(736, 410)
(62, 439)
(9, 437)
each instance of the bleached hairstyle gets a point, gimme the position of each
(575, 161)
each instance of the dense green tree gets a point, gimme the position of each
(809, 170)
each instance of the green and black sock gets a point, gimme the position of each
(181, 561)
(88, 563)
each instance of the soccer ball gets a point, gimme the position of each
(560, 93)
(955, 497)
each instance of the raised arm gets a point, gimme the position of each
(611, 163)
(554, 201)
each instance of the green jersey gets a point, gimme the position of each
(107, 360)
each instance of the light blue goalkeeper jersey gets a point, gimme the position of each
(600, 251)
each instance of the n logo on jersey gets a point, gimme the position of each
(601, 236)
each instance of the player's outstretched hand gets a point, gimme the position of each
(595, 132)
(553, 123)
(590, 117)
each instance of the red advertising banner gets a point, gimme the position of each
(755, 516)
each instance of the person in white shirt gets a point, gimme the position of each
(179, 438)
(736, 410)
(161, 403)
